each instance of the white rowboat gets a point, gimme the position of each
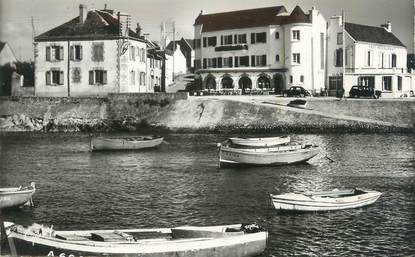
(260, 141)
(280, 156)
(16, 196)
(324, 201)
(219, 241)
(125, 143)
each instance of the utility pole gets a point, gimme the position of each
(344, 51)
(174, 45)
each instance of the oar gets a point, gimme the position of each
(165, 142)
(330, 159)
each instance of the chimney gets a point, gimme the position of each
(138, 29)
(387, 26)
(82, 13)
(124, 21)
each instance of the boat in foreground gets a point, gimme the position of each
(324, 201)
(125, 143)
(16, 196)
(219, 241)
(267, 156)
(260, 141)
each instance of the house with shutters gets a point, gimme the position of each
(261, 49)
(93, 54)
(185, 46)
(366, 55)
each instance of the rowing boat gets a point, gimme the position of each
(125, 143)
(219, 241)
(324, 201)
(267, 156)
(16, 196)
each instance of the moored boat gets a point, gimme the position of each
(220, 241)
(16, 196)
(324, 201)
(125, 143)
(267, 156)
(298, 103)
(260, 141)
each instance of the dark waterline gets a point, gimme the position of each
(180, 183)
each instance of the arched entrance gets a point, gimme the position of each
(264, 82)
(279, 84)
(244, 83)
(227, 82)
(210, 82)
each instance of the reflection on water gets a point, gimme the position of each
(180, 183)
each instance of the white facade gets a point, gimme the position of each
(381, 66)
(289, 55)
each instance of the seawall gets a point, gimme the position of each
(180, 113)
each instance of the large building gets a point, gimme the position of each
(372, 56)
(95, 53)
(261, 49)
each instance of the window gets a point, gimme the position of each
(258, 37)
(277, 35)
(76, 52)
(132, 77)
(54, 53)
(382, 60)
(296, 34)
(241, 39)
(54, 77)
(143, 55)
(393, 60)
(132, 53)
(291, 79)
(369, 58)
(211, 41)
(142, 78)
(197, 64)
(340, 38)
(204, 42)
(296, 58)
(322, 51)
(368, 81)
(335, 82)
(261, 60)
(227, 62)
(277, 58)
(338, 62)
(197, 43)
(97, 77)
(387, 83)
(76, 75)
(244, 61)
(98, 52)
(302, 78)
(226, 40)
(399, 83)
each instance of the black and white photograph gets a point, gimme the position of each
(220, 128)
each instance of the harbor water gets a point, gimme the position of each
(181, 183)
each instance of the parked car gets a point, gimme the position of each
(296, 91)
(364, 91)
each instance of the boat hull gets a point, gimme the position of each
(233, 156)
(260, 142)
(236, 246)
(99, 143)
(13, 198)
(310, 204)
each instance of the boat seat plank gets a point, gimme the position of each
(71, 237)
(110, 237)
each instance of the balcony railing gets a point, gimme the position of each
(231, 47)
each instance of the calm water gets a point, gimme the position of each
(180, 183)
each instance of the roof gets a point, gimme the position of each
(98, 24)
(372, 34)
(185, 46)
(249, 18)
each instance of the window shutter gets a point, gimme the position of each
(235, 39)
(264, 60)
(104, 78)
(230, 62)
(48, 78)
(91, 77)
(48, 53)
(221, 40)
(236, 61)
(61, 53)
(80, 53)
(219, 62)
(253, 60)
(61, 78)
(252, 38)
(72, 53)
(204, 63)
(204, 42)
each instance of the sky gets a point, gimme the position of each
(16, 15)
